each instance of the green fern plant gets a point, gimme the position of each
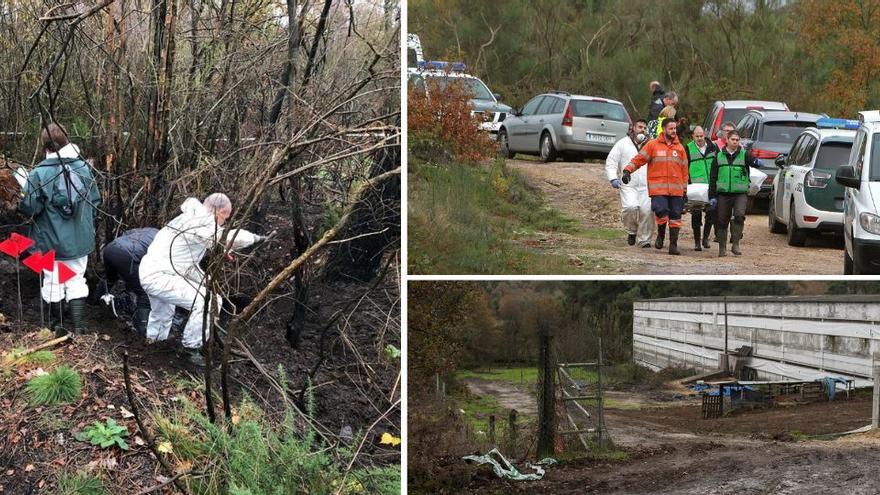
(59, 386)
(105, 435)
(79, 484)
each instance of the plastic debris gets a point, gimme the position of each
(504, 469)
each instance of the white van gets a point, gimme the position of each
(861, 218)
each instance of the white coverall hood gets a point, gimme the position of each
(69, 151)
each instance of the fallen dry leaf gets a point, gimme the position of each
(125, 412)
(10, 472)
(183, 467)
(29, 468)
(164, 447)
(389, 439)
(139, 441)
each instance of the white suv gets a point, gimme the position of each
(861, 177)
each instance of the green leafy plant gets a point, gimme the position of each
(79, 484)
(105, 435)
(59, 386)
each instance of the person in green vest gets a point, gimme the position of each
(700, 153)
(728, 192)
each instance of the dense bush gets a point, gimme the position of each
(441, 126)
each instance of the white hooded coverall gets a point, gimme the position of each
(635, 204)
(170, 272)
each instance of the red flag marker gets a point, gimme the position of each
(34, 262)
(9, 247)
(48, 261)
(21, 241)
(64, 273)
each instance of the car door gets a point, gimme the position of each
(794, 174)
(852, 196)
(518, 125)
(541, 117)
(779, 182)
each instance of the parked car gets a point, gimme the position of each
(485, 104)
(769, 134)
(559, 123)
(861, 218)
(805, 197)
(734, 110)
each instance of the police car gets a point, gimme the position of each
(484, 103)
(805, 198)
(861, 218)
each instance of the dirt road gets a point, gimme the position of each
(671, 450)
(581, 191)
(509, 396)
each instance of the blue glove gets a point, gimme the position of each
(615, 183)
(713, 203)
(759, 163)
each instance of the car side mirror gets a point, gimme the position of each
(780, 161)
(497, 96)
(846, 177)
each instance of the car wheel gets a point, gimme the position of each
(796, 237)
(847, 263)
(776, 226)
(506, 152)
(548, 152)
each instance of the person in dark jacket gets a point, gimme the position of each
(728, 191)
(122, 260)
(61, 196)
(657, 93)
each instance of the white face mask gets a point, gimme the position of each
(640, 137)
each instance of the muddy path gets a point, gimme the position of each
(581, 191)
(670, 450)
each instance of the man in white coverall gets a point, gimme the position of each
(635, 204)
(170, 272)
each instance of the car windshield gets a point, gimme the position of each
(599, 110)
(734, 114)
(833, 155)
(784, 132)
(474, 86)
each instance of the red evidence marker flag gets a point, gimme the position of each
(9, 247)
(48, 261)
(64, 273)
(23, 242)
(34, 262)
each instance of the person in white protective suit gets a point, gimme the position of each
(170, 272)
(635, 204)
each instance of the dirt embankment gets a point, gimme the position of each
(581, 191)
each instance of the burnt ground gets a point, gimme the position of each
(355, 382)
(665, 447)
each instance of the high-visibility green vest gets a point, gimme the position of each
(732, 177)
(699, 166)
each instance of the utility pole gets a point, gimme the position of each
(726, 363)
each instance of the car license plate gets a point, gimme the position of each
(599, 138)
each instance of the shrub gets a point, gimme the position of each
(105, 435)
(258, 456)
(441, 125)
(59, 386)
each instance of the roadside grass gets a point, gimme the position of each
(467, 219)
(524, 375)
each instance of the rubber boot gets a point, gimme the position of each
(721, 234)
(77, 309)
(631, 239)
(141, 316)
(196, 357)
(673, 240)
(706, 236)
(697, 238)
(661, 234)
(56, 312)
(736, 233)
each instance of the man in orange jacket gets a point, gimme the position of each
(667, 181)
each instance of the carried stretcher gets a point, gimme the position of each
(697, 198)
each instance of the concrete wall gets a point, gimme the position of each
(791, 337)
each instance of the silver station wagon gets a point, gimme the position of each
(562, 124)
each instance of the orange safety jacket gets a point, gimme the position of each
(667, 167)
